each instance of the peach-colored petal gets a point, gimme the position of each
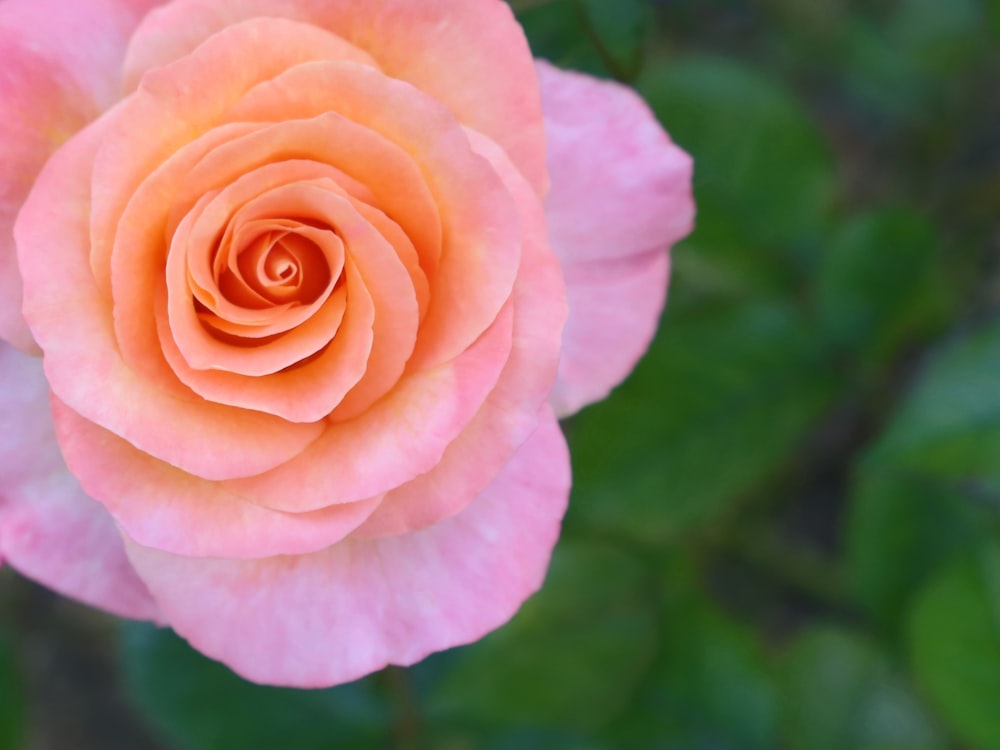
(333, 616)
(310, 202)
(480, 252)
(49, 530)
(305, 393)
(56, 79)
(253, 160)
(472, 56)
(386, 172)
(178, 103)
(509, 414)
(82, 362)
(168, 509)
(621, 194)
(614, 312)
(401, 436)
(131, 271)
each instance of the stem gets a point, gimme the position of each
(796, 567)
(406, 722)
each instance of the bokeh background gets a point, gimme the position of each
(785, 527)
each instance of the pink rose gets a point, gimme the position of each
(296, 269)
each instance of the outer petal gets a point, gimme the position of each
(62, 66)
(620, 191)
(50, 530)
(170, 509)
(614, 311)
(336, 615)
(509, 414)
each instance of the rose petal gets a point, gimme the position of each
(401, 436)
(56, 79)
(341, 613)
(479, 255)
(472, 56)
(621, 193)
(619, 186)
(82, 362)
(169, 509)
(66, 34)
(177, 104)
(508, 415)
(49, 530)
(614, 313)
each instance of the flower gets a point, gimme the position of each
(296, 268)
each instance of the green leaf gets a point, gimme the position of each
(878, 78)
(718, 405)
(840, 693)
(570, 659)
(618, 28)
(877, 288)
(941, 38)
(557, 31)
(201, 705)
(712, 688)
(955, 646)
(764, 175)
(948, 427)
(518, 739)
(11, 700)
(900, 531)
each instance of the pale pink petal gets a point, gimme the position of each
(62, 66)
(341, 613)
(619, 186)
(172, 510)
(620, 196)
(614, 313)
(49, 529)
(87, 40)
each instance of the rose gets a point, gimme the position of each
(296, 268)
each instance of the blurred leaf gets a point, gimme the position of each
(720, 402)
(955, 646)
(900, 530)
(619, 27)
(11, 700)
(712, 690)
(764, 176)
(557, 31)
(993, 11)
(571, 658)
(200, 704)
(877, 76)
(876, 283)
(938, 37)
(840, 693)
(949, 425)
(518, 739)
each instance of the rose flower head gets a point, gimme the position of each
(293, 294)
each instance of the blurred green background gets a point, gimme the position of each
(785, 527)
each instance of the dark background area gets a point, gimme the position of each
(785, 527)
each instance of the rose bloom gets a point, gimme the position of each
(293, 294)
